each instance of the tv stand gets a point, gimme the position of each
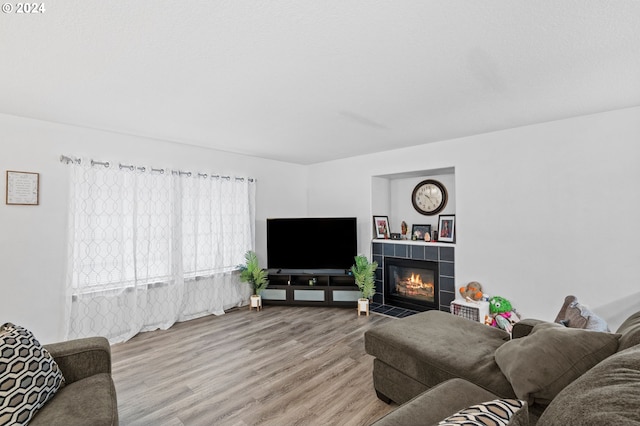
(311, 287)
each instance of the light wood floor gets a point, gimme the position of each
(281, 366)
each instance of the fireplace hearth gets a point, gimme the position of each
(411, 284)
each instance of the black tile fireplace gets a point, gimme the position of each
(434, 257)
(411, 284)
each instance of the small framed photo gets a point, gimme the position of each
(22, 188)
(381, 226)
(419, 232)
(447, 228)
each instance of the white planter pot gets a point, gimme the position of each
(256, 302)
(363, 306)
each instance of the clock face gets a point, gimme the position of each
(429, 197)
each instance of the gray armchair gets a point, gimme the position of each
(89, 395)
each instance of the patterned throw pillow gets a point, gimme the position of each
(29, 376)
(498, 412)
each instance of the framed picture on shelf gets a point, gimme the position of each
(381, 226)
(447, 228)
(418, 232)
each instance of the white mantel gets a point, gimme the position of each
(413, 243)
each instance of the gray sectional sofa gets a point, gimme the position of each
(435, 364)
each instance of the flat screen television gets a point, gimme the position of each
(327, 243)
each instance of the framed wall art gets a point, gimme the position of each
(381, 226)
(22, 188)
(447, 228)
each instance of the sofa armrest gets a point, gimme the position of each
(437, 403)
(81, 358)
(523, 328)
(442, 401)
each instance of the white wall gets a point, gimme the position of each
(542, 211)
(402, 208)
(32, 253)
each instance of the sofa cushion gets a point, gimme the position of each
(434, 346)
(629, 332)
(498, 412)
(29, 376)
(541, 364)
(89, 401)
(606, 394)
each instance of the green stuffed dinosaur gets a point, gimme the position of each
(504, 316)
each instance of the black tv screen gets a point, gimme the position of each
(311, 243)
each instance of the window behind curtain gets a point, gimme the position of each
(141, 230)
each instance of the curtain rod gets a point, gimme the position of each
(67, 160)
(70, 159)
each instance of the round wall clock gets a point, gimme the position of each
(429, 197)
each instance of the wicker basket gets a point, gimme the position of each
(475, 311)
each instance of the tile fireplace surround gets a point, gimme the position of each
(442, 253)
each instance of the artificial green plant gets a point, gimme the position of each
(252, 273)
(363, 272)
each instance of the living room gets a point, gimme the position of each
(543, 209)
(525, 217)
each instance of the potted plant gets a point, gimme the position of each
(252, 273)
(364, 274)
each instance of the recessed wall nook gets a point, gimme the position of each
(413, 275)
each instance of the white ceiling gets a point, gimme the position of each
(306, 81)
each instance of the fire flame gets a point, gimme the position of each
(415, 283)
(414, 286)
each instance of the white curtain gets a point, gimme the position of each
(149, 247)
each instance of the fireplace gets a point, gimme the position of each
(411, 284)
